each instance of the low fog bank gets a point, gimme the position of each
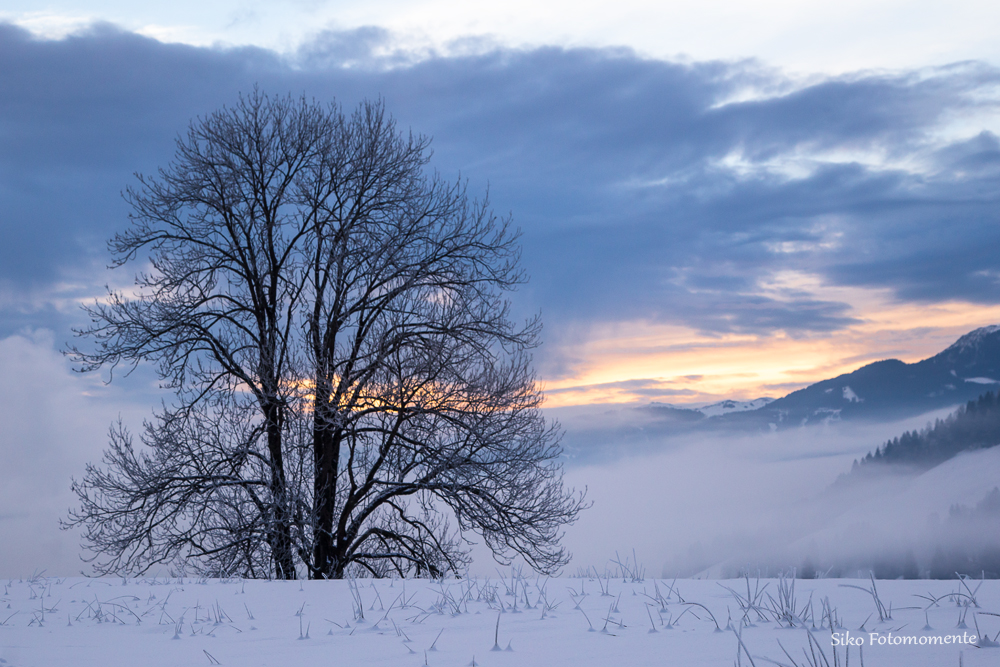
(718, 504)
(938, 524)
(54, 422)
(606, 433)
(688, 504)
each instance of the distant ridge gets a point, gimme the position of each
(884, 391)
(716, 409)
(888, 389)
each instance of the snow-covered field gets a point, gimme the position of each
(505, 622)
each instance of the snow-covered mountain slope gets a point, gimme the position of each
(713, 409)
(726, 407)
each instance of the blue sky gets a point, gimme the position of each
(715, 202)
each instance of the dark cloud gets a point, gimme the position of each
(646, 189)
(641, 387)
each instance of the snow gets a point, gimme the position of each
(727, 406)
(850, 396)
(571, 621)
(973, 338)
(827, 415)
(720, 408)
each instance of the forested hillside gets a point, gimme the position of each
(975, 425)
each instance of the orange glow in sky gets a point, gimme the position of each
(640, 361)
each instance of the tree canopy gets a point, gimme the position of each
(351, 392)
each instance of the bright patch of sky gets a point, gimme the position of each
(801, 36)
(638, 362)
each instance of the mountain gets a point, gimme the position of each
(883, 391)
(728, 407)
(694, 413)
(889, 389)
(973, 426)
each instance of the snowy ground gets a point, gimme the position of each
(565, 621)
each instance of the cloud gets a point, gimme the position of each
(673, 194)
(640, 389)
(670, 192)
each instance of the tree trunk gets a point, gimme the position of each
(280, 537)
(326, 457)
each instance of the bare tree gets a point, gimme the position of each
(334, 322)
(199, 487)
